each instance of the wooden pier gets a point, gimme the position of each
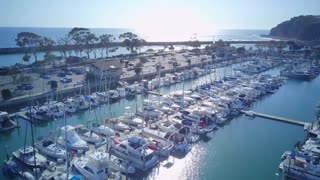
(276, 118)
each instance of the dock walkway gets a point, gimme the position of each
(276, 118)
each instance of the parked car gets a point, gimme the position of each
(46, 76)
(78, 83)
(66, 80)
(25, 86)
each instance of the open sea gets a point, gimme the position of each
(9, 34)
(244, 149)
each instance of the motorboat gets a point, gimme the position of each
(69, 108)
(39, 113)
(93, 166)
(5, 122)
(297, 166)
(116, 124)
(130, 119)
(103, 130)
(87, 134)
(135, 151)
(71, 139)
(30, 157)
(113, 94)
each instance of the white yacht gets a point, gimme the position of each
(94, 166)
(30, 157)
(87, 134)
(78, 102)
(116, 124)
(69, 108)
(113, 94)
(129, 118)
(5, 123)
(299, 167)
(122, 92)
(155, 141)
(72, 140)
(135, 151)
(103, 130)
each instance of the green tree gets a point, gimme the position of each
(26, 58)
(175, 65)
(189, 61)
(143, 59)
(14, 78)
(90, 76)
(47, 45)
(79, 37)
(64, 44)
(6, 94)
(50, 58)
(280, 46)
(138, 68)
(220, 43)
(31, 41)
(23, 79)
(105, 44)
(131, 42)
(171, 48)
(241, 50)
(89, 43)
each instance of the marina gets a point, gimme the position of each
(160, 90)
(195, 99)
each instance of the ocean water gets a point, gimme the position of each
(245, 148)
(9, 34)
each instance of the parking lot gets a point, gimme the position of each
(73, 77)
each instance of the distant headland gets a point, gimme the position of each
(306, 28)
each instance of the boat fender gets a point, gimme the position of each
(80, 151)
(116, 141)
(154, 148)
(28, 176)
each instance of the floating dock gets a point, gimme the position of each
(276, 118)
(22, 115)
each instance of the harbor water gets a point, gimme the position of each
(245, 148)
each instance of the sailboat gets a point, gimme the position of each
(50, 148)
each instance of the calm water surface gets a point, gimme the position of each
(246, 148)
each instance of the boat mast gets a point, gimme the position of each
(65, 137)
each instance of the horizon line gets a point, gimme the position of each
(56, 27)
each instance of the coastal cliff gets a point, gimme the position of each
(305, 28)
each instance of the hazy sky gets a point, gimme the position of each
(154, 15)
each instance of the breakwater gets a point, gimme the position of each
(20, 50)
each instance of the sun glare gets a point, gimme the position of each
(163, 25)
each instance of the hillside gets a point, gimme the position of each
(305, 28)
